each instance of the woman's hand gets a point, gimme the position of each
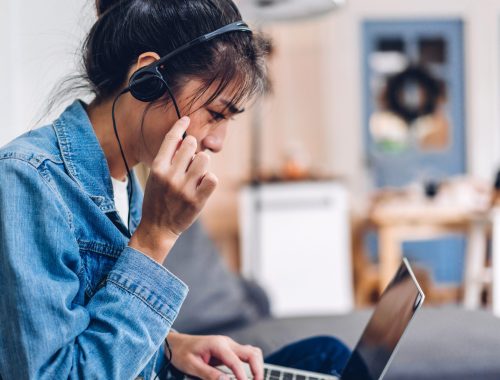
(178, 186)
(197, 356)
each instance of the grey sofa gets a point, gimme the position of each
(441, 344)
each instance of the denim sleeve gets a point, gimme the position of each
(44, 334)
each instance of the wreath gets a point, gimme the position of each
(396, 86)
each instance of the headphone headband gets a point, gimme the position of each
(238, 26)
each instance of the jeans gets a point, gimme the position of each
(321, 354)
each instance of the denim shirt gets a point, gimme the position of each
(75, 301)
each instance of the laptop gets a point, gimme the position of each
(379, 342)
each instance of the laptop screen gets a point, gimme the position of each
(391, 317)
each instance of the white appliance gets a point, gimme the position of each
(295, 241)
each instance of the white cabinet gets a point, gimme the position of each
(296, 243)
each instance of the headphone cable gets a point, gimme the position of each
(131, 187)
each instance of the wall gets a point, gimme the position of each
(5, 63)
(39, 41)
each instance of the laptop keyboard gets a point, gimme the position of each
(279, 374)
(274, 374)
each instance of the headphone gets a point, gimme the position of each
(148, 84)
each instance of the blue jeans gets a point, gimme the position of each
(321, 354)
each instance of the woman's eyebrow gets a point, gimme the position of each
(231, 107)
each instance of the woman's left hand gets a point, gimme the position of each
(197, 356)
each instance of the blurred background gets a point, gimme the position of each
(380, 139)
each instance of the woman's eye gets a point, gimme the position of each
(217, 116)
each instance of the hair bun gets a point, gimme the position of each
(103, 5)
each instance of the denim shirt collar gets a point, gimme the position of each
(85, 160)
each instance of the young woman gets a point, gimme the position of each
(84, 292)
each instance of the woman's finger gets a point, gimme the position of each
(184, 155)
(197, 169)
(171, 141)
(207, 186)
(231, 360)
(253, 356)
(205, 371)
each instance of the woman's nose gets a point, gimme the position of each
(214, 141)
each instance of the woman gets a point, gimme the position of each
(84, 292)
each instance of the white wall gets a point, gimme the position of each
(5, 65)
(38, 41)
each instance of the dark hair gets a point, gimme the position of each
(127, 28)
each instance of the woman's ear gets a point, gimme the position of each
(146, 59)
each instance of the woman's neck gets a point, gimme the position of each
(100, 116)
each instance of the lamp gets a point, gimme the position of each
(264, 11)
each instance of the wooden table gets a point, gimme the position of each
(402, 220)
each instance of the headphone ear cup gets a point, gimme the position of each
(147, 85)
